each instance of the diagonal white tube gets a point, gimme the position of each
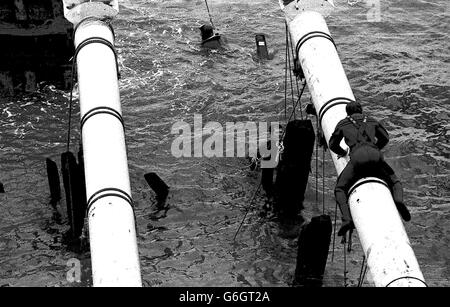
(112, 232)
(383, 238)
(390, 257)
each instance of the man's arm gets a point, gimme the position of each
(335, 140)
(382, 136)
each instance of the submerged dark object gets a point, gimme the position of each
(313, 245)
(207, 32)
(82, 177)
(209, 38)
(37, 42)
(261, 47)
(310, 109)
(75, 193)
(158, 186)
(2, 189)
(294, 167)
(53, 182)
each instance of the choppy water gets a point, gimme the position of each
(398, 68)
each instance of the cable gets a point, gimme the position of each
(296, 77)
(210, 18)
(301, 93)
(334, 232)
(350, 240)
(285, 73)
(317, 163)
(362, 273)
(344, 240)
(290, 79)
(70, 103)
(248, 209)
(323, 179)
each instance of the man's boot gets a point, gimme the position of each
(397, 194)
(347, 222)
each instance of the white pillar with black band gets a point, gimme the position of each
(112, 230)
(390, 258)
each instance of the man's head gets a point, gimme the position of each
(353, 107)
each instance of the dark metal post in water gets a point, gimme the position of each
(53, 182)
(261, 47)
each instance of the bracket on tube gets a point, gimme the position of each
(77, 10)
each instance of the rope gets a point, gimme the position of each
(344, 239)
(299, 92)
(298, 100)
(292, 86)
(248, 209)
(323, 180)
(209, 14)
(285, 73)
(362, 273)
(296, 79)
(350, 240)
(317, 163)
(334, 232)
(70, 104)
(319, 135)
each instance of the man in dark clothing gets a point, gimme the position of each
(365, 138)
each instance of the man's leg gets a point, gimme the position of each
(345, 179)
(396, 187)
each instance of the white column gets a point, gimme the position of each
(114, 253)
(390, 258)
